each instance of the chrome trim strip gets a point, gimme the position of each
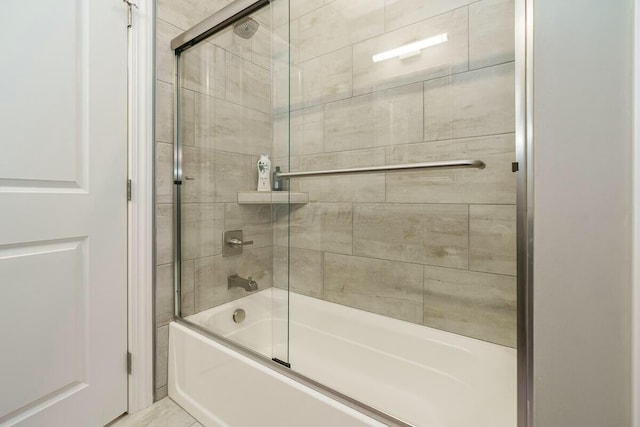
(154, 225)
(529, 237)
(455, 164)
(290, 373)
(177, 195)
(524, 183)
(216, 22)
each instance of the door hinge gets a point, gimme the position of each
(129, 190)
(515, 167)
(128, 363)
(130, 5)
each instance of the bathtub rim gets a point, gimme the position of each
(348, 401)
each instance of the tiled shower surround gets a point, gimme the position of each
(430, 247)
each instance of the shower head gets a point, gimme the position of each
(246, 27)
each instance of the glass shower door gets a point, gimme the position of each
(403, 284)
(227, 280)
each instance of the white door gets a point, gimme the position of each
(62, 212)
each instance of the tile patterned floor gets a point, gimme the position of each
(164, 413)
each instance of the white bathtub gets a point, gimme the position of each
(420, 375)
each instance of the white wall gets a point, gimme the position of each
(583, 210)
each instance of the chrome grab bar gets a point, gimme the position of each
(455, 164)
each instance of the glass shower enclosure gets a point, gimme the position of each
(383, 268)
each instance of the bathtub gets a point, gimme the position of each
(420, 375)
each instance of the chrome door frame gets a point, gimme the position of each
(524, 204)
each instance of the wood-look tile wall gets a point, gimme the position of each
(435, 248)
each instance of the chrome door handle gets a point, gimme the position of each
(237, 242)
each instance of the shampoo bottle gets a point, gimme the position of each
(264, 173)
(277, 182)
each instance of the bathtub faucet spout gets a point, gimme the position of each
(236, 281)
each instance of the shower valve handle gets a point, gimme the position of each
(237, 242)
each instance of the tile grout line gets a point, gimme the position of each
(469, 237)
(424, 291)
(353, 238)
(469, 38)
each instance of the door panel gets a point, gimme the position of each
(63, 200)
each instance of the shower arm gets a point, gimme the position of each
(455, 164)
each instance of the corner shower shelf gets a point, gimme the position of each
(271, 198)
